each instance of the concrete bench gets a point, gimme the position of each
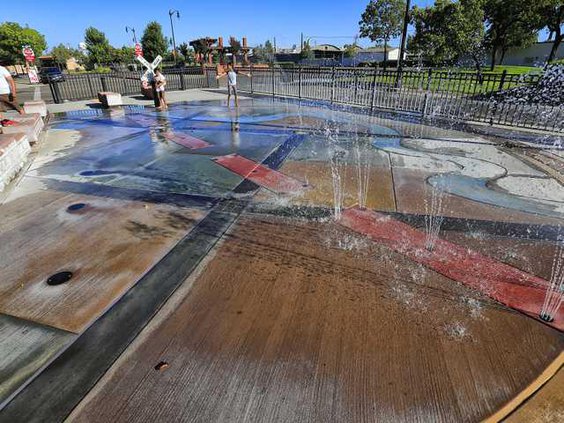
(31, 125)
(109, 99)
(14, 149)
(32, 107)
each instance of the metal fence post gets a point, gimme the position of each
(427, 93)
(273, 80)
(373, 101)
(502, 81)
(104, 85)
(251, 73)
(300, 81)
(182, 82)
(333, 84)
(355, 95)
(55, 92)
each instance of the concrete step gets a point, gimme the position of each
(36, 106)
(14, 149)
(30, 124)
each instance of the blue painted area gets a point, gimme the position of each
(275, 160)
(477, 190)
(148, 161)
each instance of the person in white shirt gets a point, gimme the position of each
(231, 83)
(160, 80)
(8, 92)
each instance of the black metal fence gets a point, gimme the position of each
(457, 95)
(86, 86)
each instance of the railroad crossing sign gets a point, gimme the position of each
(148, 75)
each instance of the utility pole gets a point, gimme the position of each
(172, 12)
(274, 45)
(301, 41)
(404, 35)
(129, 28)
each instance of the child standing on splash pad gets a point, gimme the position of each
(232, 83)
(160, 80)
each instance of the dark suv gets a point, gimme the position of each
(51, 74)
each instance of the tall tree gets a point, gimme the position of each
(123, 55)
(553, 17)
(153, 41)
(268, 48)
(235, 46)
(351, 50)
(62, 53)
(98, 46)
(306, 52)
(448, 31)
(13, 37)
(187, 53)
(382, 21)
(511, 23)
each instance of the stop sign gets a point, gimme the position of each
(28, 54)
(138, 50)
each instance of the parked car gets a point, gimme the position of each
(51, 74)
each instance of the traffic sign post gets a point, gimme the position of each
(138, 50)
(29, 59)
(28, 54)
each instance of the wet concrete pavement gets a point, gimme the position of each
(291, 318)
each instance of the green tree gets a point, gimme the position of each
(511, 23)
(306, 52)
(351, 50)
(259, 54)
(123, 55)
(268, 48)
(153, 41)
(98, 46)
(235, 47)
(449, 31)
(382, 21)
(187, 53)
(13, 37)
(62, 53)
(519, 35)
(553, 17)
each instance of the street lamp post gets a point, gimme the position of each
(404, 35)
(129, 28)
(171, 13)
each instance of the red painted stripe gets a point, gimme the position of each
(259, 174)
(186, 140)
(506, 284)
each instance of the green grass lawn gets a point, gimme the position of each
(515, 69)
(457, 80)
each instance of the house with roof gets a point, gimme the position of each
(371, 55)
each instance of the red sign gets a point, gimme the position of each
(138, 50)
(28, 54)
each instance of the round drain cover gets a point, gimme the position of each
(59, 278)
(76, 207)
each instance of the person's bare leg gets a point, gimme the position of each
(228, 95)
(163, 100)
(236, 98)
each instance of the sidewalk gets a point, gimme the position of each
(196, 94)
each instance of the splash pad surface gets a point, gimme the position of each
(297, 316)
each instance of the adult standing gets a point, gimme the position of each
(8, 92)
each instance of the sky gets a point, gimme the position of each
(64, 21)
